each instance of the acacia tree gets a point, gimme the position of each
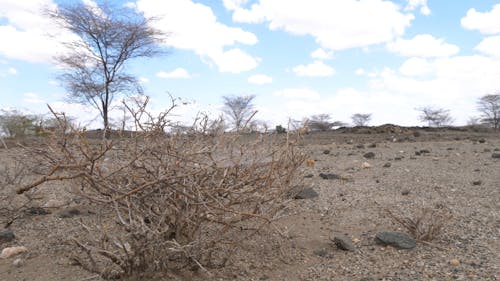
(94, 68)
(239, 109)
(489, 106)
(360, 119)
(435, 117)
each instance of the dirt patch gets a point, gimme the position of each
(408, 171)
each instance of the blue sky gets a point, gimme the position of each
(299, 58)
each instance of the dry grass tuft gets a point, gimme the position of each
(425, 225)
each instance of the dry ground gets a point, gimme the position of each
(458, 174)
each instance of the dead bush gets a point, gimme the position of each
(425, 225)
(170, 200)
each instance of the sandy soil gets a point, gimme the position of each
(457, 174)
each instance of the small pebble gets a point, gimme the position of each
(454, 262)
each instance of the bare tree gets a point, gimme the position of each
(239, 109)
(489, 106)
(109, 37)
(360, 119)
(320, 122)
(435, 117)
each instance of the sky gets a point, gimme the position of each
(299, 58)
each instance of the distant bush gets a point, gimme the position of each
(15, 124)
(280, 129)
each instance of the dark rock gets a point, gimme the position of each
(6, 236)
(398, 158)
(37, 211)
(309, 176)
(387, 165)
(320, 252)
(306, 193)
(416, 134)
(450, 148)
(326, 151)
(423, 151)
(372, 145)
(478, 182)
(342, 242)
(417, 153)
(496, 149)
(369, 155)
(360, 146)
(73, 212)
(264, 277)
(329, 176)
(495, 155)
(487, 150)
(405, 192)
(396, 239)
(481, 141)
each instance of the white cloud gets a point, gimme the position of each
(12, 71)
(360, 71)
(336, 25)
(194, 26)
(486, 23)
(26, 29)
(260, 79)
(179, 73)
(423, 45)
(298, 93)
(490, 46)
(32, 98)
(416, 67)
(234, 61)
(415, 4)
(315, 69)
(321, 54)
(143, 80)
(233, 4)
(453, 83)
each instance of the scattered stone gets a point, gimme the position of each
(326, 151)
(360, 146)
(306, 193)
(308, 176)
(6, 236)
(343, 242)
(423, 151)
(481, 141)
(487, 150)
(12, 251)
(372, 145)
(478, 182)
(321, 252)
(54, 203)
(396, 239)
(37, 211)
(387, 165)
(73, 212)
(417, 153)
(405, 192)
(455, 262)
(450, 148)
(18, 263)
(495, 155)
(496, 149)
(366, 165)
(399, 158)
(329, 176)
(369, 155)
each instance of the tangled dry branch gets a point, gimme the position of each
(170, 200)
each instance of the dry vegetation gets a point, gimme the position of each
(168, 201)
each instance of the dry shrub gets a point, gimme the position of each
(170, 200)
(425, 225)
